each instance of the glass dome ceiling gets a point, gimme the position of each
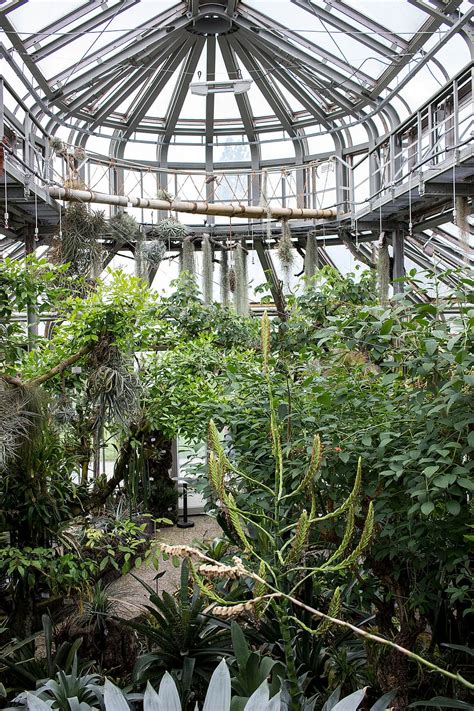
(339, 68)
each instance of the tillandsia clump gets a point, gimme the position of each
(163, 194)
(153, 251)
(124, 228)
(79, 243)
(285, 251)
(171, 229)
(57, 145)
(21, 415)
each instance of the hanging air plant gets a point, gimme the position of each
(383, 268)
(57, 145)
(79, 153)
(225, 277)
(188, 264)
(64, 411)
(311, 258)
(207, 270)
(79, 243)
(153, 251)
(241, 295)
(263, 202)
(113, 387)
(124, 228)
(171, 229)
(21, 416)
(163, 194)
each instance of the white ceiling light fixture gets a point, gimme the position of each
(232, 86)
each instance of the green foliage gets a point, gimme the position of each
(117, 543)
(182, 639)
(25, 284)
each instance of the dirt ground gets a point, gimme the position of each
(127, 592)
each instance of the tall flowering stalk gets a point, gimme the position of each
(276, 555)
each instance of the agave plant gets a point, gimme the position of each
(70, 695)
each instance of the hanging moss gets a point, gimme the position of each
(141, 268)
(383, 268)
(263, 202)
(462, 214)
(311, 258)
(225, 277)
(188, 262)
(285, 251)
(207, 270)
(232, 280)
(241, 295)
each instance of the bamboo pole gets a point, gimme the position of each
(196, 208)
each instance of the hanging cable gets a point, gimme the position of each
(5, 215)
(36, 218)
(410, 221)
(455, 212)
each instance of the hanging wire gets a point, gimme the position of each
(5, 216)
(410, 221)
(455, 212)
(36, 218)
(253, 241)
(60, 235)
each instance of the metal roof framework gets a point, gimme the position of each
(114, 89)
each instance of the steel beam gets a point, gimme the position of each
(157, 83)
(64, 39)
(290, 52)
(345, 27)
(134, 52)
(181, 88)
(273, 25)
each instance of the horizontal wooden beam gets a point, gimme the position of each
(196, 208)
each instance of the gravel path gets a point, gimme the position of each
(130, 596)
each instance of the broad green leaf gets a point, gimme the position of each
(427, 507)
(454, 507)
